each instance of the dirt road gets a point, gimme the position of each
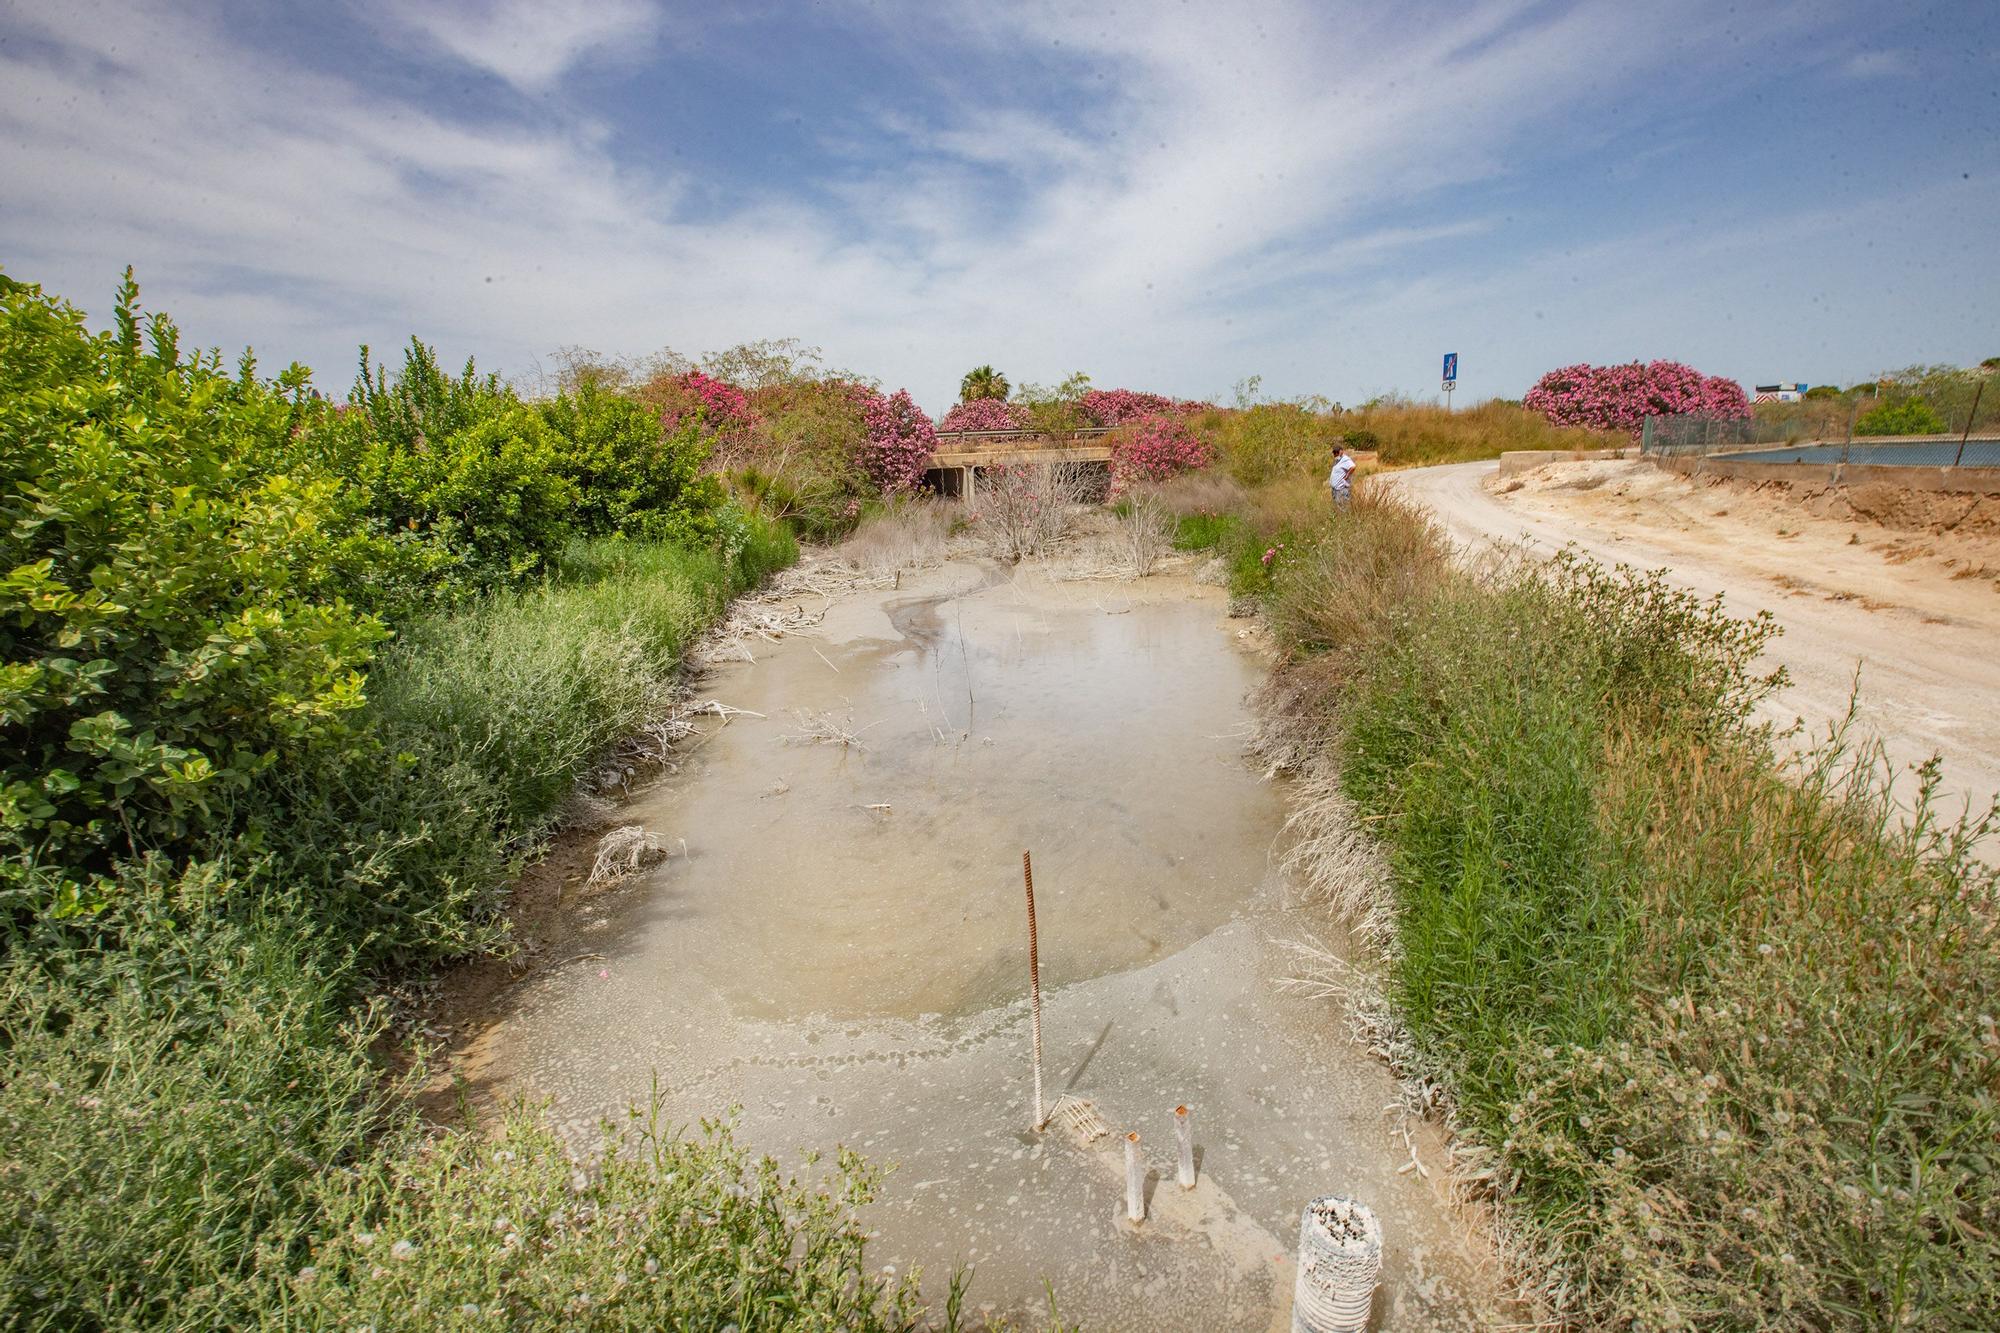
(1915, 619)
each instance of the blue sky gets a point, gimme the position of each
(1166, 196)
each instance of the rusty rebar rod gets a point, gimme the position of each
(1184, 1135)
(1034, 986)
(1135, 1181)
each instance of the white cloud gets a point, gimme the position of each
(1236, 198)
(1878, 65)
(530, 44)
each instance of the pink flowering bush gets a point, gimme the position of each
(985, 414)
(721, 407)
(1622, 397)
(1155, 448)
(900, 442)
(1115, 407)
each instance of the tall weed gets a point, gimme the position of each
(1721, 1023)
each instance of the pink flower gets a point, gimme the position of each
(721, 407)
(1155, 448)
(985, 414)
(901, 439)
(1622, 397)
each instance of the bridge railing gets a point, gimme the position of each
(968, 439)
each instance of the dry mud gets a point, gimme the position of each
(836, 945)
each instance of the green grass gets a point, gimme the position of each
(1720, 1022)
(1204, 532)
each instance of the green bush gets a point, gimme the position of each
(167, 628)
(194, 1135)
(174, 1086)
(631, 478)
(1909, 416)
(656, 1230)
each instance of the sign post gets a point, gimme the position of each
(1450, 377)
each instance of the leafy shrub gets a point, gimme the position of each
(1622, 397)
(1056, 410)
(494, 495)
(656, 1230)
(901, 441)
(1910, 416)
(166, 633)
(985, 414)
(173, 1084)
(631, 478)
(1116, 407)
(1156, 448)
(1268, 441)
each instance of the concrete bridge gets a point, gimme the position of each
(961, 454)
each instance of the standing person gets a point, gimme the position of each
(1341, 479)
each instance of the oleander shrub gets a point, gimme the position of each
(901, 440)
(985, 414)
(711, 406)
(1156, 448)
(1621, 397)
(1117, 407)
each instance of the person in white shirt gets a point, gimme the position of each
(1341, 479)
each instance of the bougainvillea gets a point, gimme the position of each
(1155, 448)
(722, 408)
(985, 414)
(1622, 397)
(901, 440)
(1115, 407)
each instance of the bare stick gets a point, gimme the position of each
(1184, 1131)
(1135, 1181)
(1034, 986)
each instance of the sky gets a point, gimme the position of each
(1165, 196)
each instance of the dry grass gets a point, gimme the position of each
(1209, 491)
(1024, 510)
(1414, 434)
(824, 727)
(1144, 534)
(1341, 590)
(910, 535)
(624, 852)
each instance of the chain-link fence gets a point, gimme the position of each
(1917, 417)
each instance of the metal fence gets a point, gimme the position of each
(1925, 416)
(1910, 451)
(1709, 435)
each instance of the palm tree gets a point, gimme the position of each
(983, 382)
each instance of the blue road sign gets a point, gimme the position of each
(1450, 367)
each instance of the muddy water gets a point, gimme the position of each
(837, 946)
